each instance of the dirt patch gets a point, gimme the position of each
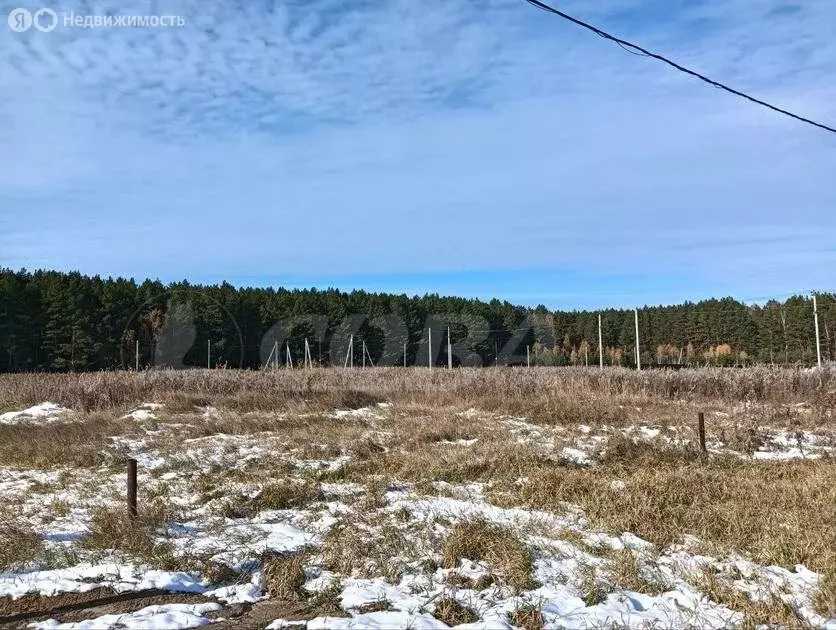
(261, 614)
(68, 607)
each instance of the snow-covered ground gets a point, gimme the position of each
(44, 412)
(574, 578)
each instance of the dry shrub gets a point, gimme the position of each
(824, 598)
(83, 443)
(562, 408)
(288, 494)
(593, 589)
(238, 506)
(60, 508)
(19, 545)
(375, 494)
(451, 612)
(623, 452)
(217, 572)
(527, 617)
(479, 540)
(113, 529)
(768, 613)
(183, 401)
(423, 426)
(486, 460)
(478, 584)
(779, 512)
(368, 550)
(326, 603)
(366, 448)
(284, 576)
(626, 573)
(744, 437)
(375, 606)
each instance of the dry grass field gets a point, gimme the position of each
(490, 498)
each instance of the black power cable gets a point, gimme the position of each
(630, 47)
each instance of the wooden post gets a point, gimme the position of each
(404, 355)
(701, 429)
(449, 351)
(528, 356)
(132, 489)
(137, 356)
(208, 354)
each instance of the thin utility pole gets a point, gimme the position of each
(600, 345)
(638, 352)
(365, 354)
(208, 354)
(136, 360)
(449, 351)
(348, 352)
(430, 347)
(308, 360)
(816, 320)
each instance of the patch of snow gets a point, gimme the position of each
(143, 412)
(326, 464)
(575, 456)
(161, 617)
(85, 577)
(383, 620)
(45, 411)
(250, 592)
(360, 413)
(460, 442)
(140, 415)
(357, 593)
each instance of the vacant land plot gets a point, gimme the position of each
(494, 498)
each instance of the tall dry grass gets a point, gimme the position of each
(501, 388)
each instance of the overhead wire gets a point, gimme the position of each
(636, 49)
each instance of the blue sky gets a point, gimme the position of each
(479, 148)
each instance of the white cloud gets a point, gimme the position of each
(322, 136)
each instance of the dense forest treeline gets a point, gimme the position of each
(67, 321)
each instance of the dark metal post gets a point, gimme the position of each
(701, 427)
(132, 488)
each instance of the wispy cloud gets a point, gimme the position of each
(314, 139)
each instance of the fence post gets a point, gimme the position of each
(701, 429)
(132, 489)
